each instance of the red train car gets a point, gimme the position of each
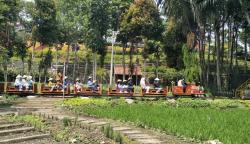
(190, 90)
(11, 89)
(88, 92)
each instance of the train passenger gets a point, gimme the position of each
(119, 86)
(124, 86)
(25, 83)
(157, 85)
(51, 84)
(78, 85)
(59, 76)
(143, 85)
(59, 85)
(90, 84)
(18, 82)
(182, 83)
(130, 85)
(95, 85)
(66, 82)
(30, 82)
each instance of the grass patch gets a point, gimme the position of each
(226, 120)
(29, 119)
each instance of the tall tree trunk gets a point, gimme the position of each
(236, 48)
(218, 73)
(229, 40)
(74, 69)
(94, 66)
(245, 47)
(232, 49)
(67, 61)
(85, 70)
(131, 66)
(56, 58)
(222, 43)
(123, 60)
(22, 65)
(208, 57)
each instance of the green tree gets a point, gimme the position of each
(45, 21)
(99, 18)
(72, 17)
(21, 50)
(8, 17)
(140, 21)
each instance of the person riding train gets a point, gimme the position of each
(78, 85)
(51, 84)
(143, 84)
(30, 82)
(18, 82)
(124, 86)
(119, 86)
(157, 85)
(182, 83)
(130, 85)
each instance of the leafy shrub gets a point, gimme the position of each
(10, 98)
(30, 119)
(66, 122)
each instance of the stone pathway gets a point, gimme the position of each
(21, 133)
(45, 107)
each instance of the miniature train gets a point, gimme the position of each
(190, 90)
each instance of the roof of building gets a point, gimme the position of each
(118, 70)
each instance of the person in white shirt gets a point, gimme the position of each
(119, 86)
(124, 86)
(143, 85)
(157, 85)
(18, 82)
(25, 83)
(181, 83)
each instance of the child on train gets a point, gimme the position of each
(125, 86)
(25, 83)
(51, 84)
(78, 85)
(30, 82)
(119, 86)
(157, 86)
(130, 85)
(90, 84)
(18, 82)
(66, 82)
(143, 85)
(59, 85)
(95, 85)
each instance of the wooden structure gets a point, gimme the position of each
(11, 89)
(47, 90)
(153, 92)
(88, 92)
(136, 76)
(115, 92)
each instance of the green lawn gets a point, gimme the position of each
(226, 120)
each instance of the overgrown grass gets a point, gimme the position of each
(29, 119)
(226, 120)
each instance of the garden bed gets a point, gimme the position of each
(226, 120)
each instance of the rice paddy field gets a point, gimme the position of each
(225, 120)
